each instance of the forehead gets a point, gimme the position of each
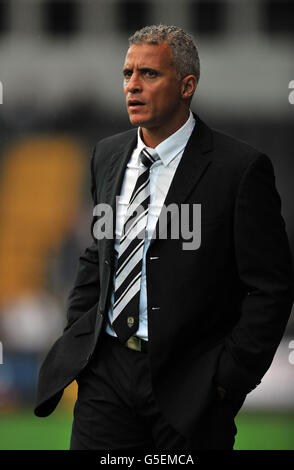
(156, 55)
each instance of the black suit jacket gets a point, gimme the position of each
(223, 308)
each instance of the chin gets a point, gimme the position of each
(137, 121)
(138, 118)
(142, 121)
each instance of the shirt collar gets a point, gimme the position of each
(169, 148)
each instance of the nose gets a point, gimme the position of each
(133, 84)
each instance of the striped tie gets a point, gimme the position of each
(125, 320)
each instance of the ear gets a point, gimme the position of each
(189, 85)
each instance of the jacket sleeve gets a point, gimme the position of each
(265, 269)
(86, 288)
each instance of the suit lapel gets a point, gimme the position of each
(194, 162)
(116, 171)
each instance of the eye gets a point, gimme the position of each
(127, 74)
(150, 73)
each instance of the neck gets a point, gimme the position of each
(154, 136)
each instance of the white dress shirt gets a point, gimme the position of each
(170, 152)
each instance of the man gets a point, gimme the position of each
(165, 339)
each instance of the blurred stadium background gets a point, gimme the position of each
(60, 70)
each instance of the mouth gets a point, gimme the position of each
(135, 104)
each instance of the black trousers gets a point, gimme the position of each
(116, 409)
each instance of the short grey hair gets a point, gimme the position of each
(185, 54)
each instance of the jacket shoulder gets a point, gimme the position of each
(237, 147)
(229, 153)
(116, 142)
(236, 156)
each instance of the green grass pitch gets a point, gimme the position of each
(22, 430)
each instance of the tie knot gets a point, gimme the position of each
(148, 157)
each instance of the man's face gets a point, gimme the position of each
(151, 87)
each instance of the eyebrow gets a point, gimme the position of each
(141, 69)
